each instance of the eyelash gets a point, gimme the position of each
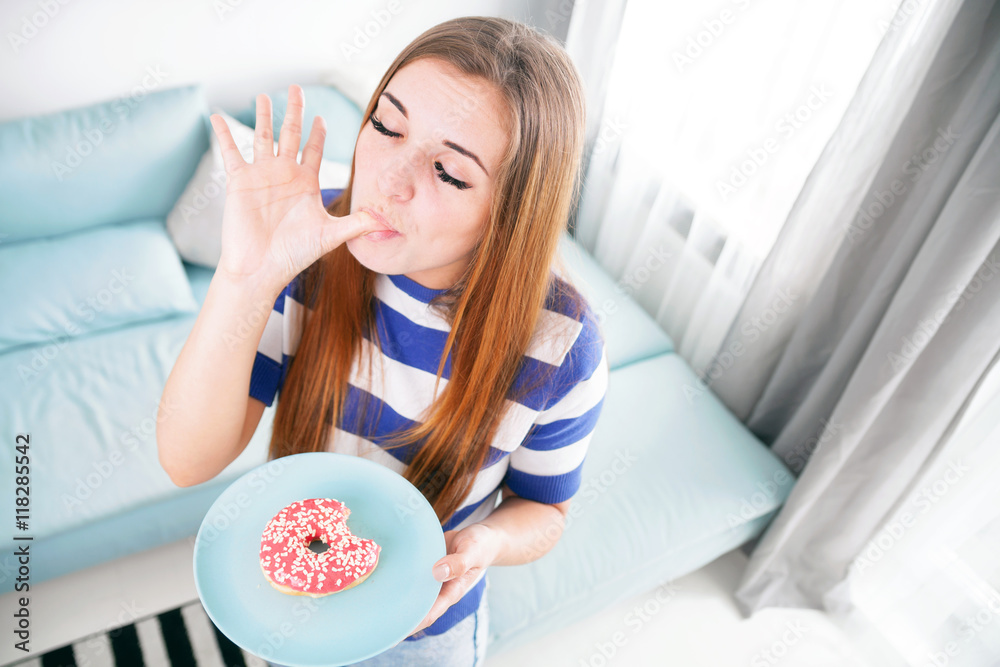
(442, 174)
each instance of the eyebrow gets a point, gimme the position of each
(450, 144)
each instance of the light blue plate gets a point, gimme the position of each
(339, 629)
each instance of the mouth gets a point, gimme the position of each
(389, 229)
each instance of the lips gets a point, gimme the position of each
(381, 219)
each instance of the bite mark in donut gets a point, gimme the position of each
(293, 568)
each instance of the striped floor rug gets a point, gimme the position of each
(182, 637)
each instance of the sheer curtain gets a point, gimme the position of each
(876, 385)
(928, 582)
(712, 118)
(851, 307)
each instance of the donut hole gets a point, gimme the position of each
(318, 546)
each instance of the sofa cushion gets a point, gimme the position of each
(98, 491)
(630, 333)
(119, 160)
(671, 482)
(195, 222)
(81, 282)
(342, 116)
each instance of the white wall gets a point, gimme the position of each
(58, 54)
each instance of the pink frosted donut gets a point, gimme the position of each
(292, 567)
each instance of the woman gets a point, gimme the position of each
(485, 373)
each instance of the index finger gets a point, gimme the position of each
(231, 157)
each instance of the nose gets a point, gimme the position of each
(396, 180)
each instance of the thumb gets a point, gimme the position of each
(444, 569)
(337, 230)
(456, 564)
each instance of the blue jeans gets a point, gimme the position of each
(464, 645)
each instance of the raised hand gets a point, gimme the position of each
(274, 224)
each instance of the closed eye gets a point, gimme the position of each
(442, 174)
(381, 128)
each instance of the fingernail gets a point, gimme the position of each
(442, 572)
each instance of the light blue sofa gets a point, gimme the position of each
(671, 481)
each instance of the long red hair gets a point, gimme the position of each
(494, 307)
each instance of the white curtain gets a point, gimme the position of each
(855, 275)
(711, 121)
(928, 582)
(878, 384)
(593, 32)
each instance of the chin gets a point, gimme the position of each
(370, 257)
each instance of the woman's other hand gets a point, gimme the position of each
(470, 551)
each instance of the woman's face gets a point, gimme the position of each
(431, 179)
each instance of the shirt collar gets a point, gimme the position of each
(415, 289)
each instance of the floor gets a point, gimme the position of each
(697, 624)
(692, 623)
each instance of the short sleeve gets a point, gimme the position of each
(546, 466)
(278, 343)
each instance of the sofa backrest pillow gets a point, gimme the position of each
(90, 280)
(115, 161)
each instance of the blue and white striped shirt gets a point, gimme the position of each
(539, 448)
